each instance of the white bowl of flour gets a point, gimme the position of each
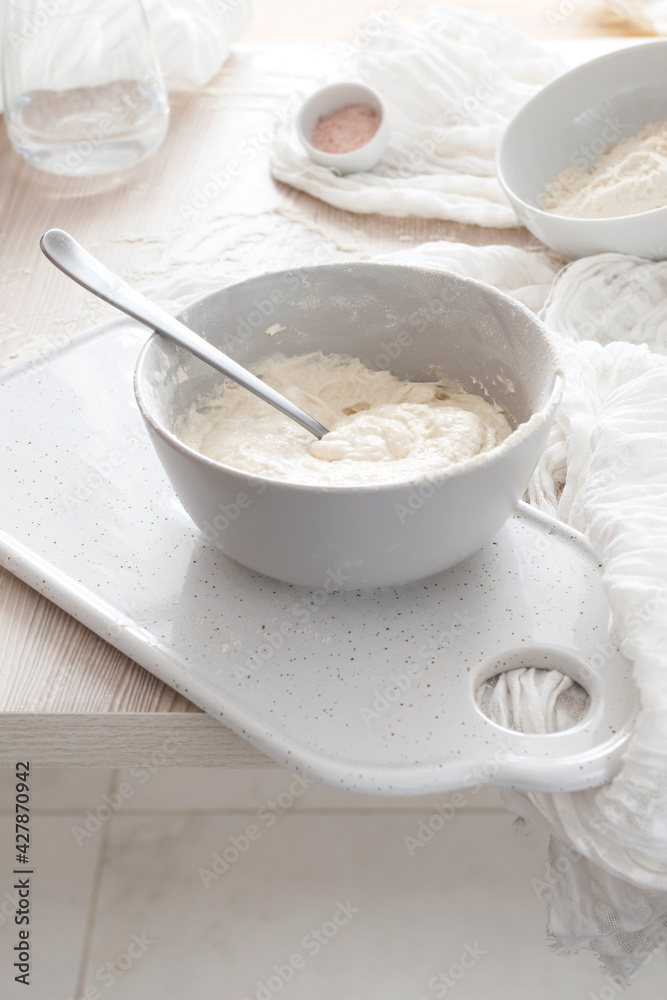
(584, 163)
(439, 392)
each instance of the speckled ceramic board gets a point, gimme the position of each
(368, 690)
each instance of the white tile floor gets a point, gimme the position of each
(320, 898)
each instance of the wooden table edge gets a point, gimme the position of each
(128, 739)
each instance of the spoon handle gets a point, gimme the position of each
(64, 251)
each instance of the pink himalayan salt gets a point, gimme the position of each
(345, 128)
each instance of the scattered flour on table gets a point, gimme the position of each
(381, 430)
(630, 177)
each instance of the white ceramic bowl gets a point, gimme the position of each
(336, 95)
(405, 319)
(574, 120)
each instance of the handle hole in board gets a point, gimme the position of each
(538, 691)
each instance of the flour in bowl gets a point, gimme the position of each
(630, 177)
(381, 430)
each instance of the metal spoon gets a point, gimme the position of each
(64, 251)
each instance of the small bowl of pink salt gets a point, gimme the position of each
(344, 127)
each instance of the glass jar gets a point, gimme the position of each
(84, 92)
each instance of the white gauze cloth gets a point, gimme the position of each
(604, 471)
(451, 81)
(194, 37)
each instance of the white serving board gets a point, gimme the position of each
(90, 521)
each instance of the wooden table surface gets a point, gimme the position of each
(337, 20)
(67, 698)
